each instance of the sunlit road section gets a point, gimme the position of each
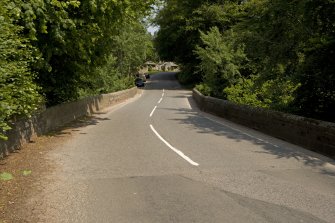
(157, 158)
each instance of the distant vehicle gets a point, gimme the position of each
(147, 76)
(139, 82)
(144, 78)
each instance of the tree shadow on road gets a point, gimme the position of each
(196, 121)
(76, 126)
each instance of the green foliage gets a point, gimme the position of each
(26, 172)
(295, 39)
(220, 59)
(275, 94)
(67, 49)
(74, 38)
(204, 89)
(185, 77)
(6, 176)
(180, 22)
(176, 40)
(316, 96)
(18, 92)
(105, 79)
(281, 51)
(132, 47)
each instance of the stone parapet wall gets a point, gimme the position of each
(316, 135)
(57, 116)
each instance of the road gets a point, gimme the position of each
(157, 158)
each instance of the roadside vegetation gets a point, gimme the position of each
(54, 51)
(153, 72)
(276, 54)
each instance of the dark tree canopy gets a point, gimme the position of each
(273, 54)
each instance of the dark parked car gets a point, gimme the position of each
(142, 76)
(139, 82)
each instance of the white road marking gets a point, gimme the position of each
(251, 136)
(153, 111)
(180, 153)
(163, 90)
(160, 100)
(188, 103)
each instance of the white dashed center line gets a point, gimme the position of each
(151, 114)
(160, 100)
(180, 153)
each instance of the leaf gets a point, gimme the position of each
(6, 176)
(26, 172)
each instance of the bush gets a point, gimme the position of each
(105, 79)
(275, 94)
(204, 89)
(18, 92)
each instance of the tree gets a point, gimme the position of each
(67, 49)
(175, 40)
(294, 40)
(316, 96)
(74, 38)
(221, 60)
(18, 92)
(180, 23)
(132, 46)
(284, 43)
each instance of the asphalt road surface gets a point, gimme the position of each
(157, 158)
